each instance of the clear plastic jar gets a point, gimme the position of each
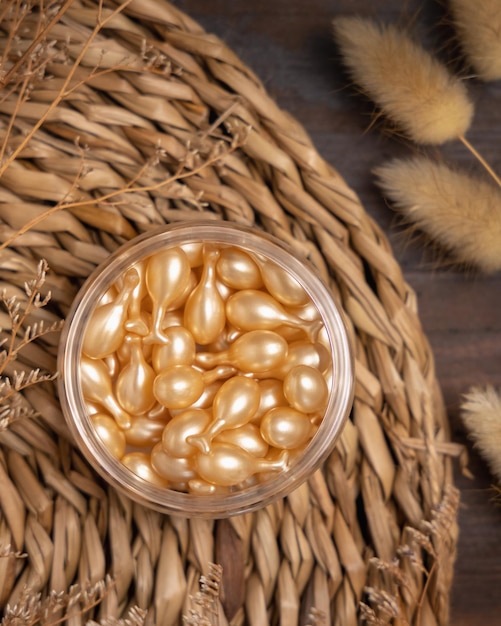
(252, 494)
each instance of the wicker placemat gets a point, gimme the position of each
(121, 118)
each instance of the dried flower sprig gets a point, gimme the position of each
(135, 617)
(417, 563)
(57, 607)
(23, 331)
(316, 617)
(453, 208)
(478, 27)
(481, 415)
(206, 599)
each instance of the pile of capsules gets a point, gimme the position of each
(205, 368)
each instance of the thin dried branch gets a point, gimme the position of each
(43, 31)
(13, 405)
(31, 608)
(206, 600)
(101, 23)
(385, 602)
(21, 335)
(218, 153)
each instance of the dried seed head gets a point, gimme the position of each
(411, 87)
(481, 414)
(478, 26)
(383, 601)
(460, 212)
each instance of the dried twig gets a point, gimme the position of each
(14, 340)
(57, 607)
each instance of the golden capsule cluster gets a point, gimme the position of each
(205, 368)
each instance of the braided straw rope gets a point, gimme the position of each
(134, 116)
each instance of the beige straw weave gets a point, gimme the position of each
(113, 121)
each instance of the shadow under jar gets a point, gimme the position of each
(205, 370)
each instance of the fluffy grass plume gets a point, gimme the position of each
(478, 25)
(481, 415)
(410, 86)
(460, 212)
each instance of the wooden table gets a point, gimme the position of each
(288, 44)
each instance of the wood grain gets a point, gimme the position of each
(288, 44)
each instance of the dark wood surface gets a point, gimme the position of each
(288, 44)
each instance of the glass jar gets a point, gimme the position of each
(261, 488)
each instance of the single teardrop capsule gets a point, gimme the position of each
(105, 330)
(282, 285)
(227, 465)
(167, 273)
(234, 405)
(251, 309)
(306, 389)
(179, 386)
(174, 469)
(286, 428)
(255, 351)
(189, 422)
(134, 386)
(135, 322)
(248, 437)
(96, 387)
(140, 464)
(179, 349)
(238, 270)
(144, 432)
(110, 434)
(204, 314)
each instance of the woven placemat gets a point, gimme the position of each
(114, 120)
